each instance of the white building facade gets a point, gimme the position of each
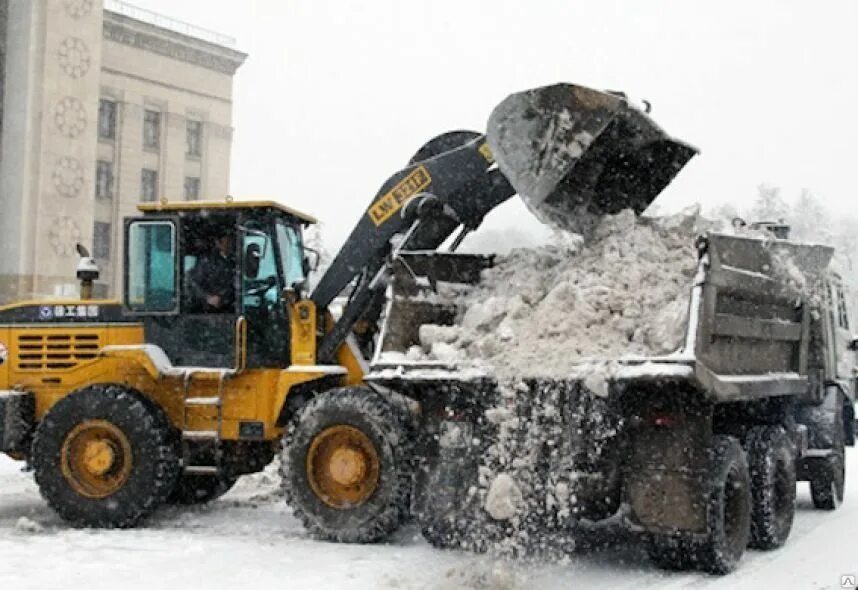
(101, 109)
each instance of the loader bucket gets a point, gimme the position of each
(570, 151)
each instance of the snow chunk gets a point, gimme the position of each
(504, 497)
(540, 311)
(26, 525)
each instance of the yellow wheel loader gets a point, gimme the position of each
(171, 393)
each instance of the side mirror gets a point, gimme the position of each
(853, 344)
(252, 258)
(311, 261)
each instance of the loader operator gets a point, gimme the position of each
(212, 280)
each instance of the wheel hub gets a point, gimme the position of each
(347, 466)
(96, 459)
(342, 466)
(98, 456)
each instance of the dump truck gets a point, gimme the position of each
(697, 452)
(163, 396)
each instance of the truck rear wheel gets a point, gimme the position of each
(771, 460)
(728, 508)
(347, 466)
(828, 476)
(105, 457)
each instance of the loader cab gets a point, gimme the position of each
(208, 280)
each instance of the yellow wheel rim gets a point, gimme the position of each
(342, 467)
(96, 459)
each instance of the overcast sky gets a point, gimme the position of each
(336, 95)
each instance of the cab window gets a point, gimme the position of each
(260, 285)
(151, 267)
(842, 313)
(291, 254)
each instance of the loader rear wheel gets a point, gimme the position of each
(828, 477)
(773, 481)
(348, 466)
(105, 457)
(728, 508)
(200, 489)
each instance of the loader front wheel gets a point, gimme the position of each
(105, 457)
(347, 466)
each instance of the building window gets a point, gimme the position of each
(149, 185)
(152, 130)
(192, 188)
(106, 119)
(195, 139)
(104, 180)
(101, 240)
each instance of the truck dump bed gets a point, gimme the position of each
(748, 334)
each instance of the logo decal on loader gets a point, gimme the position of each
(4, 352)
(392, 201)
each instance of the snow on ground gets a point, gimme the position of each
(250, 539)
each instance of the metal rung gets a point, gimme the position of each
(201, 470)
(200, 435)
(202, 401)
(819, 453)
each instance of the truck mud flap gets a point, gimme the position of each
(666, 475)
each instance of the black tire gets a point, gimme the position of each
(672, 553)
(728, 508)
(380, 424)
(446, 532)
(828, 476)
(149, 461)
(448, 516)
(771, 460)
(200, 489)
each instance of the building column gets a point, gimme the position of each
(47, 185)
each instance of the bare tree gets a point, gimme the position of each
(810, 219)
(769, 205)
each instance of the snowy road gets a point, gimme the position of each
(249, 539)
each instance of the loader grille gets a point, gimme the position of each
(41, 352)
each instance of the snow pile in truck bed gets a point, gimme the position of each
(624, 293)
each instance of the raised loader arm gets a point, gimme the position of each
(425, 203)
